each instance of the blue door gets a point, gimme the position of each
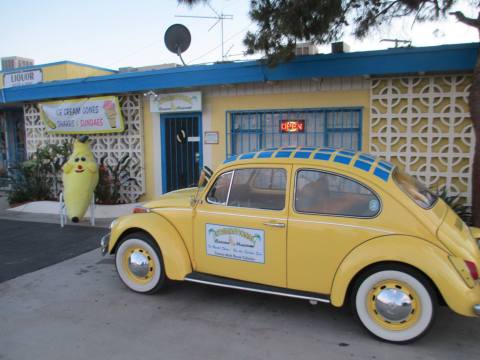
(182, 151)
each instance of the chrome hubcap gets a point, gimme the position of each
(138, 264)
(393, 305)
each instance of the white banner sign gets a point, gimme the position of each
(22, 78)
(235, 243)
(97, 115)
(178, 102)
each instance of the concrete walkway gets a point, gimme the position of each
(79, 309)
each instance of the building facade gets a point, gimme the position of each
(408, 105)
(13, 134)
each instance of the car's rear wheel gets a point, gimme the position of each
(139, 263)
(396, 304)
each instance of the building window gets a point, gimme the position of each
(254, 130)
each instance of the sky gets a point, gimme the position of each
(119, 33)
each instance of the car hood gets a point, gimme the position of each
(178, 198)
(458, 237)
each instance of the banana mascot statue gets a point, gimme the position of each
(80, 177)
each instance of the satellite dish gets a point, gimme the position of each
(177, 39)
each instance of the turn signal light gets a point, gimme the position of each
(140, 210)
(472, 268)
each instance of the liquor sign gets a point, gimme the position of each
(177, 102)
(99, 115)
(22, 78)
(292, 126)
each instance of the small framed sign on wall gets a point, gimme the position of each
(210, 137)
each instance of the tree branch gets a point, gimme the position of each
(466, 20)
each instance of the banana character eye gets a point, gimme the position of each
(83, 158)
(76, 159)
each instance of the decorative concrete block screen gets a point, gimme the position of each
(114, 146)
(423, 125)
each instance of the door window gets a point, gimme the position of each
(250, 188)
(218, 194)
(318, 192)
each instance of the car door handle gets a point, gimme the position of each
(274, 224)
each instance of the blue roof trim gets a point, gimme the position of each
(329, 150)
(382, 174)
(342, 159)
(309, 148)
(283, 154)
(385, 165)
(346, 152)
(302, 154)
(230, 159)
(289, 148)
(64, 62)
(432, 59)
(247, 156)
(265, 154)
(367, 157)
(362, 165)
(322, 156)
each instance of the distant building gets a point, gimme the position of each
(15, 62)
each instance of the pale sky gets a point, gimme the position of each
(117, 33)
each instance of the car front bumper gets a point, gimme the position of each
(476, 309)
(104, 243)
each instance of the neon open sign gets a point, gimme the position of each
(292, 126)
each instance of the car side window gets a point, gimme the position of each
(319, 192)
(218, 194)
(258, 189)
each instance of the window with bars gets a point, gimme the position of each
(254, 130)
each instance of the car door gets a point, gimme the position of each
(331, 214)
(240, 225)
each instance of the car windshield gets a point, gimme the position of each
(414, 189)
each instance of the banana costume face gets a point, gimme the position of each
(80, 177)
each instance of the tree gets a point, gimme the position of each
(281, 23)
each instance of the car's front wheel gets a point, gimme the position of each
(139, 263)
(394, 304)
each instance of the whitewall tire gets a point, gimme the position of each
(139, 264)
(395, 305)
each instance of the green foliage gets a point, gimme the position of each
(457, 204)
(39, 177)
(112, 179)
(281, 23)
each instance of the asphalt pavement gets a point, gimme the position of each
(29, 246)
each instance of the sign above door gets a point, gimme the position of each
(176, 102)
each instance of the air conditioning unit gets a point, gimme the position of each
(340, 47)
(306, 48)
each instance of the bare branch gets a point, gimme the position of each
(466, 20)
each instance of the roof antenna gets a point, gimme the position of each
(218, 16)
(398, 41)
(177, 40)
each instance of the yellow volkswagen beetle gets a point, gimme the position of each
(318, 224)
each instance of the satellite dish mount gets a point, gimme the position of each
(177, 39)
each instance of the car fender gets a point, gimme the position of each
(175, 255)
(418, 253)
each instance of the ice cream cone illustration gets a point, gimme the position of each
(111, 112)
(46, 121)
